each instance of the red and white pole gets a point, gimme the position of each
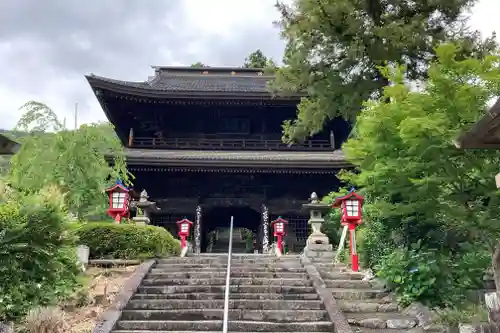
(183, 242)
(354, 253)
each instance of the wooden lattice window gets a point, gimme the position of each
(234, 126)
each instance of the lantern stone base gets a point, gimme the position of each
(317, 239)
(140, 220)
(319, 252)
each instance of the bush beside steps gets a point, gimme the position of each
(108, 240)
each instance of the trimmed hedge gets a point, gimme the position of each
(108, 240)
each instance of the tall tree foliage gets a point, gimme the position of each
(257, 59)
(199, 65)
(72, 160)
(335, 47)
(424, 194)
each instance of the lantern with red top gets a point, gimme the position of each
(279, 226)
(119, 201)
(184, 226)
(350, 206)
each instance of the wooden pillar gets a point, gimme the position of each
(265, 228)
(197, 231)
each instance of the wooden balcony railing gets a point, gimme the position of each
(227, 144)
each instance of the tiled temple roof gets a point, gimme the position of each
(193, 80)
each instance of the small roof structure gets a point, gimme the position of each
(8, 146)
(352, 193)
(485, 133)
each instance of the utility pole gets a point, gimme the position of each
(76, 115)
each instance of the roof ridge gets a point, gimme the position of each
(210, 68)
(214, 76)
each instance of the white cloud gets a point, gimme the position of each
(485, 16)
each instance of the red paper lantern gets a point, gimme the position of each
(350, 206)
(184, 226)
(279, 226)
(119, 201)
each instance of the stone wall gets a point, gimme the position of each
(477, 296)
(479, 328)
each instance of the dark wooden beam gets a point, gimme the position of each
(8, 146)
(484, 128)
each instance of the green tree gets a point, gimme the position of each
(424, 196)
(37, 251)
(335, 47)
(72, 160)
(257, 59)
(199, 65)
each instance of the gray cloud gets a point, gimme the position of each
(47, 46)
(92, 34)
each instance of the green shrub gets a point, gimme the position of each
(374, 242)
(38, 264)
(464, 313)
(433, 277)
(127, 241)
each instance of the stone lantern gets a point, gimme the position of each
(317, 244)
(144, 208)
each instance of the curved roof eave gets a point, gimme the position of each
(274, 159)
(144, 89)
(8, 146)
(477, 135)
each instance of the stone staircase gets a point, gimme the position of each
(365, 304)
(187, 295)
(222, 244)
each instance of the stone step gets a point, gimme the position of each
(331, 265)
(234, 260)
(195, 268)
(260, 255)
(222, 273)
(358, 329)
(222, 246)
(218, 314)
(222, 281)
(148, 331)
(335, 270)
(180, 296)
(170, 304)
(336, 275)
(380, 320)
(349, 284)
(216, 325)
(365, 306)
(358, 294)
(213, 271)
(220, 289)
(218, 296)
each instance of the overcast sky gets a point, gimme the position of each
(46, 47)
